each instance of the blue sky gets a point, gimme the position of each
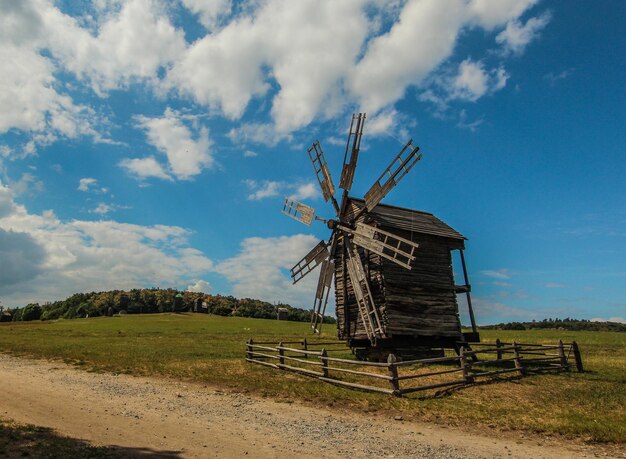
(147, 143)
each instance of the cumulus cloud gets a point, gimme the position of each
(200, 286)
(284, 37)
(187, 152)
(468, 83)
(261, 133)
(262, 190)
(515, 37)
(390, 64)
(473, 81)
(129, 43)
(265, 48)
(269, 189)
(22, 258)
(143, 168)
(208, 11)
(259, 270)
(90, 256)
(27, 184)
(86, 183)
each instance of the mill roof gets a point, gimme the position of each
(409, 220)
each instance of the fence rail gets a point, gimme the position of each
(483, 360)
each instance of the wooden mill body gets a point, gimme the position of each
(418, 307)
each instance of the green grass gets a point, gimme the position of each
(210, 349)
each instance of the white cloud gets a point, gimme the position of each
(104, 208)
(552, 77)
(265, 189)
(200, 286)
(144, 167)
(208, 11)
(250, 154)
(130, 43)
(31, 103)
(259, 270)
(269, 189)
(492, 13)
(272, 47)
(468, 83)
(187, 156)
(27, 184)
(94, 256)
(86, 183)
(619, 320)
(499, 274)
(261, 133)
(554, 285)
(515, 37)
(423, 37)
(473, 81)
(306, 191)
(282, 41)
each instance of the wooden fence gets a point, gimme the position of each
(394, 377)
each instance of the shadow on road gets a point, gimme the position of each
(22, 440)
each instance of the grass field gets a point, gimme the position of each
(210, 349)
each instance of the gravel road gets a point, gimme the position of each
(175, 419)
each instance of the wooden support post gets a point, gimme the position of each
(393, 373)
(467, 293)
(518, 359)
(324, 359)
(579, 360)
(281, 356)
(562, 357)
(249, 349)
(498, 350)
(465, 367)
(305, 347)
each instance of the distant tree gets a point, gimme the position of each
(31, 312)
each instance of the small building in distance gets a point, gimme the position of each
(282, 313)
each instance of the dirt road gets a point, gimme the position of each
(170, 418)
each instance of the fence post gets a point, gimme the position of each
(562, 356)
(498, 350)
(281, 356)
(465, 366)
(579, 360)
(305, 347)
(249, 344)
(324, 359)
(393, 373)
(518, 359)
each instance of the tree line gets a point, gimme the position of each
(564, 324)
(154, 300)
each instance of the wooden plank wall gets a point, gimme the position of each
(417, 302)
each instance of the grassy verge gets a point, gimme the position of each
(210, 349)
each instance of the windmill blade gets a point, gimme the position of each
(298, 211)
(321, 296)
(398, 168)
(363, 294)
(388, 245)
(310, 261)
(349, 162)
(322, 174)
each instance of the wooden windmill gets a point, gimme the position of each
(392, 267)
